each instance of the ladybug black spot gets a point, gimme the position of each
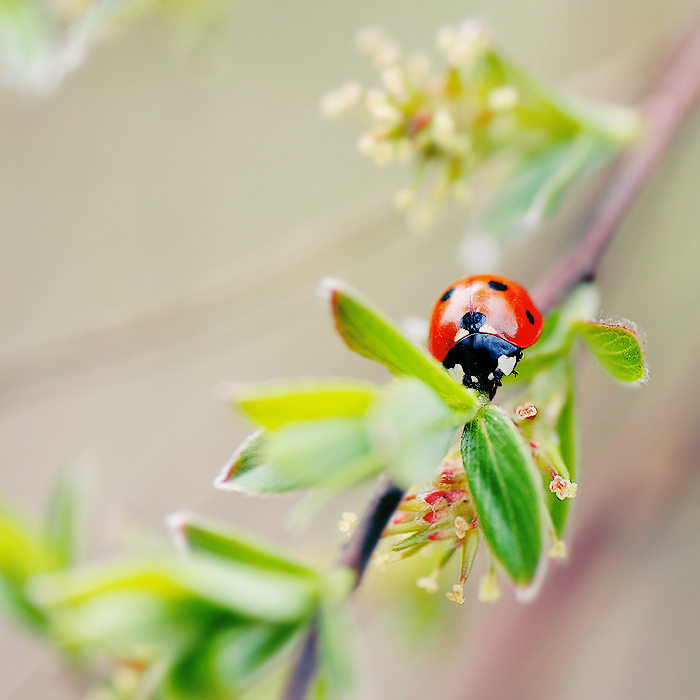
(530, 317)
(447, 294)
(472, 321)
(498, 286)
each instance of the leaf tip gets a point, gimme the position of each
(223, 481)
(489, 590)
(177, 524)
(644, 379)
(328, 288)
(526, 593)
(237, 465)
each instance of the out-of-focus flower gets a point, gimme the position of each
(429, 583)
(563, 488)
(437, 517)
(339, 102)
(526, 411)
(460, 115)
(558, 551)
(347, 523)
(489, 591)
(457, 594)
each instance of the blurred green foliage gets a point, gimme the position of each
(43, 41)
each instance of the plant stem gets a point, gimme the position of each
(358, 549)
(305, 666)
(669, 104)
(355, 555)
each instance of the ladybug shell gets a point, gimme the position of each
(484, 304)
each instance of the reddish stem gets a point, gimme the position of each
(355, 555)
(664, 111)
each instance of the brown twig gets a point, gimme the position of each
(664, 112)
(355, 556)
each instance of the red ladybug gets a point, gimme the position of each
(483, 323)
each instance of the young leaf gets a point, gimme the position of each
(274, 406)
(541, 180)
(407, 430)
(24, 553)
(23, 550)
(205, 536)
(369, 333)
(567, 431)
(317, 453)
(616, 348)
(15, 606)
(65, 518)
(412, 429)
(240, 653)
(130, 619)
(246, 590)
(505, 485)
(248, 472)
(222, 659)
(567, 426)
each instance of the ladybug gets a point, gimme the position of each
(483, 323)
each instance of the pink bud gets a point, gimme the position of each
(526, 411)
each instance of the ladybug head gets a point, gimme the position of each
(485, 359)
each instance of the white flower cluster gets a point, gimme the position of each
(434, 116)
(464, 44)
(474, 111)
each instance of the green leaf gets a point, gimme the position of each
(407, 431)
(333, 453)
(121, 622)
(248, 591)
(534, 191)
(567, 432)
(616, 348)
(65, 518)
(205, 536)
(505, 485)
(24, 552)
(224, 658)
(15, 606)
(248, 472)
(241, 653)
(319, 453)
(274, 406)
(412, 428)
(369, 333)
(567, 426)
(564, 114)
